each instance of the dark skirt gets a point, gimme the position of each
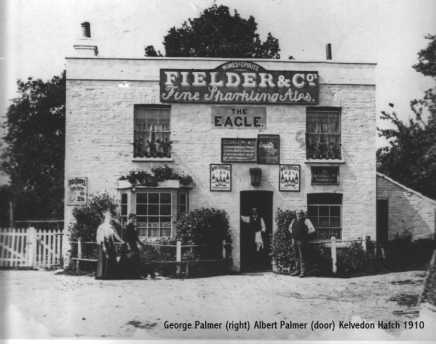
(106, 263)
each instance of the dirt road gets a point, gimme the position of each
(41, 304)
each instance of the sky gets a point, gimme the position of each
(38, 34)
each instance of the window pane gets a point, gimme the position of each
(165, 210)
(166, 232)
(124, 209)
(323, 211)
(335, 211)
(153, 209)
(166, 220)
(324, 221)
(141, 209)
(123, 198)
(165, 197)
(335, 221)
(153, 219)
(153, 198)
(141, 198)
(153, 232)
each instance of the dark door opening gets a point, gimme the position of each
(251, 259)
(382, 223)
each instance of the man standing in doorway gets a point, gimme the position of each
(256, 226)
(300, 228)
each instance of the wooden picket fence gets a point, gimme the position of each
(30, 247)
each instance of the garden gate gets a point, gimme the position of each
(30, 247)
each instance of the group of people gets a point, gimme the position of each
(124, 262)
(300, 229)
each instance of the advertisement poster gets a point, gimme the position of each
(268, 149)
(289, 178)
(220, 177)
(77, 191)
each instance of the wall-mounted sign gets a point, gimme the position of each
(238, 150)
(325, 175)
(289, 178)
(238, 117)
(268, 149)
(220, 177)
(77, 191)
(239, 82)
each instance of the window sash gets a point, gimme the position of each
(154, 214)
(326, 218)
(323, 134)
(152, 132)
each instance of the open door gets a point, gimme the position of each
(251, 259)
(382, 223)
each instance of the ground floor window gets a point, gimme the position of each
(153, 214)
(182, 203)
(324, 210)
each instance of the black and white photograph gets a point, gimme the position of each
(218, 170)
(289, 178)
(220, 177)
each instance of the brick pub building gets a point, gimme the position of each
(251, 133)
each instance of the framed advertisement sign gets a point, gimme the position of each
(289, 178)
(238, 150)
(268, 149)
(325, 175)
(77, 191)
(220, 177)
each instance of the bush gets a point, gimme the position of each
(90, 216)
(351, 260)
(207, 227)
(282, 250)
(403, 253)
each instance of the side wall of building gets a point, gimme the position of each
(408, 212)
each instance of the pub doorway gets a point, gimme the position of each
(251, 259)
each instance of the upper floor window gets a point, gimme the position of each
(324, 211)
(152, 132)
(323, 133)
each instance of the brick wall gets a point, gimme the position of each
(408, 211)
(99, 139)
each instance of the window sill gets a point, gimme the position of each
(152, 159)
(324, 162)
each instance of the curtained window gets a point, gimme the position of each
(153, 214)
(152, 132)
(323, 133)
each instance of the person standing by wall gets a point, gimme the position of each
(106, 237)
(300, 229)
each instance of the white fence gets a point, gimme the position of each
(30, 248)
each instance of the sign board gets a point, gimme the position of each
(289, 178)
(268, 149)
(77, 191)
(220, 177)
(325, 175)
(238, 117)
(238, 150)
(239, 82)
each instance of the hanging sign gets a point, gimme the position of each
(238, 117)
(238, 150)
(77, 191)
(239, 82)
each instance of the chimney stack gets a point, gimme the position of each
(328, 51)
(85, 47)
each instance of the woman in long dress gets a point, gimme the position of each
(106, 237)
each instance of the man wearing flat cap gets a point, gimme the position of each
(300, 229)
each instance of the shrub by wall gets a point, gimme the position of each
(207, 227)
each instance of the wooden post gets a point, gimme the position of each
(31, 247)
(364, 247)
(11, 214)
(333, 254)
(178, 257)
(79, 253)
(224, 250)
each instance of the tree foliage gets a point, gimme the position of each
(35, 144)
(218, 33)
(410, 157)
